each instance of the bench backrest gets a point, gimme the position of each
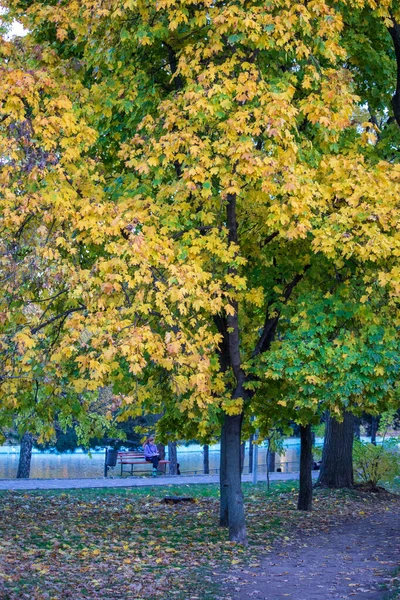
(131, 453)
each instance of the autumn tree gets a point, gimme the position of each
(202, 174)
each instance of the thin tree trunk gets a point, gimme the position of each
(306, 456)
(251, 453)
(173, 459)
(374, 429)
(232, 480)
(255, 459)
(25, 456)
(271, 456)
(337, 455)
(242, 455)
(394, 31)
(223, 482)
(231, 472)
(206, 459)
(161, 453)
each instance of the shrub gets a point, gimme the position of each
(375, 465)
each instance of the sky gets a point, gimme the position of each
(17, 29)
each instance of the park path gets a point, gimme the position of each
(351, 559)
(67, 484)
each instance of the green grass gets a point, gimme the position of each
(198, 490)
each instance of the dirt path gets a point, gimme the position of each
(349, 560)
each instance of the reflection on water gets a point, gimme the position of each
(79, 465)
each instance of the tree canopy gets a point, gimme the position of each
(198, 198)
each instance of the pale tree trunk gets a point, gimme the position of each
(233, 496)
(255, 459)
(25, 456)
(173, 458)
(206, 459)
(306, 455)
(251, 453)
(242, 455)
(374, 429)
(337, 455)
(268, 460)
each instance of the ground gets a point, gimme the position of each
(128, 544)
(355, 558)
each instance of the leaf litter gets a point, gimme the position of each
(60, 546)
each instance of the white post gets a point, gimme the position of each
(255, 457)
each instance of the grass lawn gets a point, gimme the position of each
(125, 543)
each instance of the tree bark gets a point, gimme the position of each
(206, 459)
(271, 461)
(306, 456)
(25, 456)
(223, 484)
(161, 453)
(337, 455)
(231, 491)
(232, 479)
(173, 458)
(395, 34)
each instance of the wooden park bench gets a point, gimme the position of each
(134, 458)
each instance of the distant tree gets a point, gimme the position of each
(25, 456)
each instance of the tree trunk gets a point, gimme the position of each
(251, 453)
(255, 459)
(173, 459)
(25, 456)
(231, 482)
(374, 429)
(161, 453)
(337, 455)
(306, 456)
(242, 455)
(206, 459)
(223, 486)
(270, 460)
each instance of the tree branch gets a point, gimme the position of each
(233, 320)
(395, 35)
(269, 238)
(66, 313)
(271, 323)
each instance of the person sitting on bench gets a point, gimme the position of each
(151, 453)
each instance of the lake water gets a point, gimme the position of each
(47, 465)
